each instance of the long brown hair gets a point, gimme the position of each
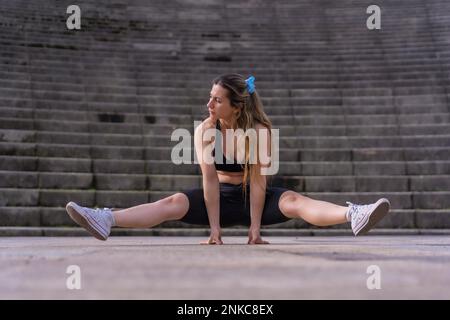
(251, 111)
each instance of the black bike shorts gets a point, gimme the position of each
(233, 209)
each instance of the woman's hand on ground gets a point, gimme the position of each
(214, 238)
(254, 237)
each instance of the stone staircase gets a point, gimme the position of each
(87, 115)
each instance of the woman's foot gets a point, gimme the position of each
(365, 217)
(97, 221)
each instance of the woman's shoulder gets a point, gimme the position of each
(258, 126)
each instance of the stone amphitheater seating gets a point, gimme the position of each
(86, 115)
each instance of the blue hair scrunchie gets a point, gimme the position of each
(250, 84)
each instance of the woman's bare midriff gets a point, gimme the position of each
(230, 177)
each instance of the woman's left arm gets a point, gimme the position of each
(257, 199)
(258, 184)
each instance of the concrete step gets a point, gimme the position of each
(99, 181)
(262, 87)
(57, 216)
(10, 135)
(193, 37)
(158, 69)
(156, 129)
(307, 168)
(60, 81)
(328, 81)
(90, 117)
(402, 62)
(123, 199)
(164, 153)
(323, 154)
(339, 142)
(193, 47)
(364, 183)
(272, 111)
(259, 38)
(194, 104)
(183, 101)
(197, 50)
(146, 117)
(45, 164)
(316, 120)
(140, 152)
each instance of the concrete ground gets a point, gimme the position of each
(409, 267)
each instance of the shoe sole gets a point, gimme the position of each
(382, 207)
(83, 221)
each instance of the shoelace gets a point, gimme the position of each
(97, 212)
(98, 215)
(357, 209)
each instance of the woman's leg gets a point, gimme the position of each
(151, 214)
(320, 213)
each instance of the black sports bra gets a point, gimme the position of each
(234, 167)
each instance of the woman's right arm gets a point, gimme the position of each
(211, 191)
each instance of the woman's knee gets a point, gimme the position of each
(178, 203)
(290, 203)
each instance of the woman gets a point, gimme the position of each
(236, 193)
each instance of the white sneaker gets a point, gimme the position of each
(97, 221)
(365, 217)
